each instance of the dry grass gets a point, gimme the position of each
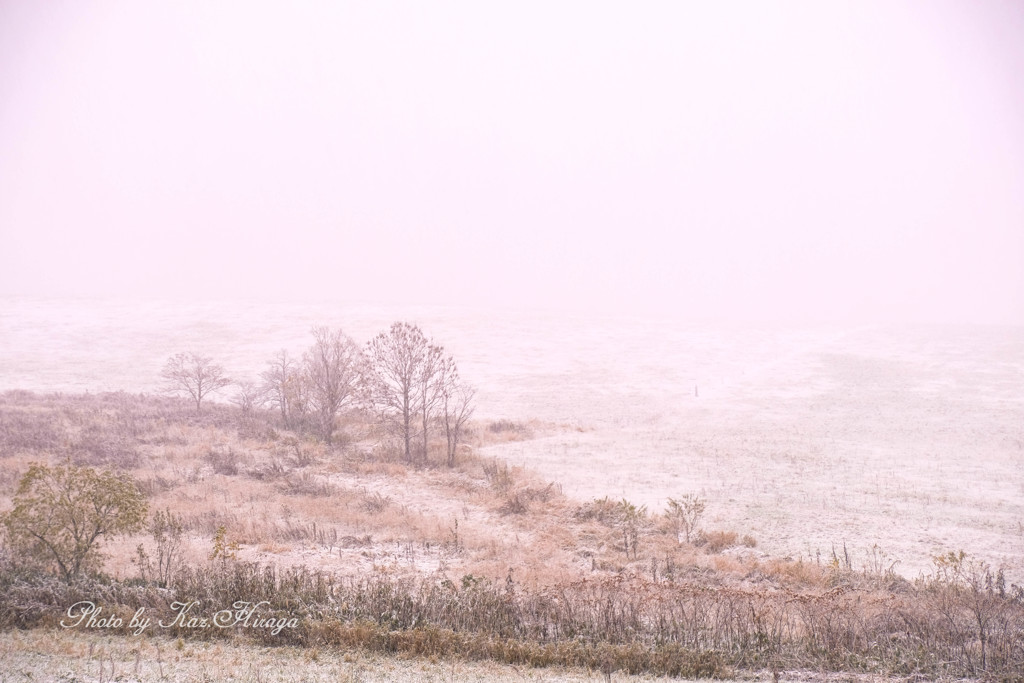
(484, 559)
(70, 655)
(961, 621)
(289, 497)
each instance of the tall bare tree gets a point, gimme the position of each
(194, 376)
(394, 379)
(331, 366)
(456, 405)
(429, 389)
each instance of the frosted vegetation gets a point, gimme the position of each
(907, 439)
(619, 495)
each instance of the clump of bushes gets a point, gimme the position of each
(518, 502)
(306, 484)
(224, 461)
(716, 541)
(498, 475)
(508, 426)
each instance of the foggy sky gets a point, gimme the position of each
(792, 160)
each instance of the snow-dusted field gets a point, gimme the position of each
(909, 439)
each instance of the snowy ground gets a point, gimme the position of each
(909, 439)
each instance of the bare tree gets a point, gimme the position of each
(429, 389)
(249, 397)
(685, 514)
(195, 376)
(456, 400)
(332, 372)
(285, 386)
(394, 379)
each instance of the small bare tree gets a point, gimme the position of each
(284, 386)
(631, 519)
(684, 514)
(168, 531)
(332, 372)
(248, 398)
(194, 376)
(456, 405)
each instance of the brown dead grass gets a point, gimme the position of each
(76, 655)
(292, 502)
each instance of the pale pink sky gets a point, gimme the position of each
(746, 160)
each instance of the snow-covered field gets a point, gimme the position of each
(910, 439)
